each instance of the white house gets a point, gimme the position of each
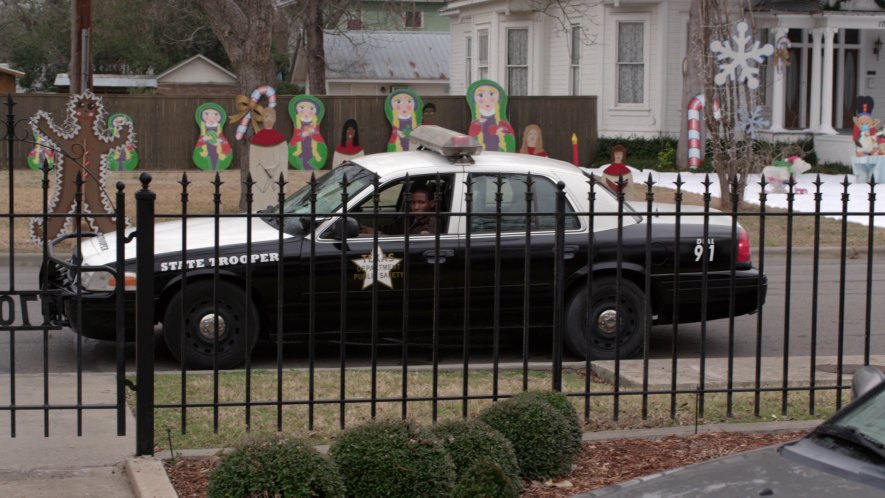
(630, 54)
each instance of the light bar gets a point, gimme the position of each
(444, 141)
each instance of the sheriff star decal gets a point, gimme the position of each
(388, 268)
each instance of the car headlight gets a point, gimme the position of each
(103, 281)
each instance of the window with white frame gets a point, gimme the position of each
(518, 61)
(575, 60)
(631, 63)
(483, 63)
(468, 60)
(413, 19)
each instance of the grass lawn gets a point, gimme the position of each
(203, 430)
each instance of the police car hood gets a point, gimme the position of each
(168, 236)
(689, 214)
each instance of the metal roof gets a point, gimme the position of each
(387, 55)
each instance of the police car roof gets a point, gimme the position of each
(426, 161)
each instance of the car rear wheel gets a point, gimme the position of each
(612, 328)
(196, 324)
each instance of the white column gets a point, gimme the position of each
(814, 112)
(826, 115)
(778, 95)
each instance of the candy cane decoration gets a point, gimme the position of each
(264, 90)
(694, 128)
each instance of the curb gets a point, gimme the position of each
(151, 480)
(148, 478)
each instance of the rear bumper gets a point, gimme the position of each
(725, 296)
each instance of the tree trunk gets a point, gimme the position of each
(245, 30)
(316, 58)
(692, 82)
(81, 54)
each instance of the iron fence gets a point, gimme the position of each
(515, 272)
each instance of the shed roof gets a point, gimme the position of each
(111, 81)
(4, 68)
(387, 55)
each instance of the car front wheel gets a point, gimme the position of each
(615, 327)
(195, 319)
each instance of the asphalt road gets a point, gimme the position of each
(788, 313)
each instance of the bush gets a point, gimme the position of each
(470, 441)
(561, 403)
(275, 467)
(539, 433)
(393, 458)
(486, 479)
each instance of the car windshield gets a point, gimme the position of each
(867, 419)
(328, 190)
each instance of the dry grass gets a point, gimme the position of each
(231, 427)
(28, 196)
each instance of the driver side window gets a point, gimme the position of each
(422, 220)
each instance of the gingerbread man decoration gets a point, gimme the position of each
(85, 143)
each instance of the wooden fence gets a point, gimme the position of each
(166, 130)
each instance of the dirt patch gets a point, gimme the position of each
(601, 463)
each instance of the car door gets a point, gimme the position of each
(417, 274)
(507, 229)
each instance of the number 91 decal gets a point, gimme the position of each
(699, 249)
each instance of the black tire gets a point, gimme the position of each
(603, 342)
(232, 306)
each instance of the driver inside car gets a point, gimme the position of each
(421, 214)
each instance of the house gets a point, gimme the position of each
(197, 75)
(415, 15)
(363, 62)
(630, 54)
(8, 77)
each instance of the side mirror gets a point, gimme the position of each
(864, 380)
(351, 228)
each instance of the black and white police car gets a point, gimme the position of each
(348, 283)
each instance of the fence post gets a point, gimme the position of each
(559, 286)
(144, 317)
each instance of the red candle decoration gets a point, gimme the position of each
(575, 149)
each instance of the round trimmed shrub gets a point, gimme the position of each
(486, 479)
(275, 467)
(538, 432)
(470, 441)
(393, 458)
(561, 403)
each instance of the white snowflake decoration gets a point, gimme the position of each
(740, 66)
(752, 122)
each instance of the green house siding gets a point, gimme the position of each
(380, 16)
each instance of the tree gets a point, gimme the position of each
(245, 30)
(128, 37)
(732, 96)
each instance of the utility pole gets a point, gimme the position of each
(80, 69)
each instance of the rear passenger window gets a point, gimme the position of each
(515, 205)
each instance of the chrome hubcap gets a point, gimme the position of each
(207, 327)
(607, 321)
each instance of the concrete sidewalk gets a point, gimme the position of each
(743, 371)
(64, 464)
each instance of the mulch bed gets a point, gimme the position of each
(601, 463)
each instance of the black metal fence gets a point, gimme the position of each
(519, 277)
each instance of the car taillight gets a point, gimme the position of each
(743, 251)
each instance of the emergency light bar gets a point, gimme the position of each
(445, 142)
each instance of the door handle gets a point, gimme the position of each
(568, 252)
(433, 256)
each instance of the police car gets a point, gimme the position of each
(340, 272)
